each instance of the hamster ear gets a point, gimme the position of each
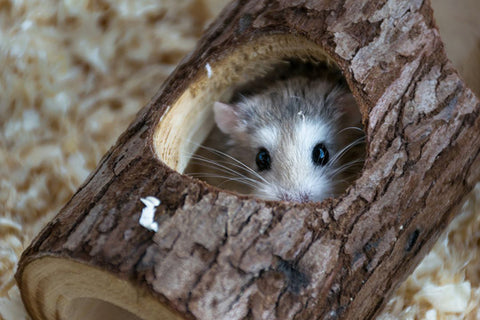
(226, 118)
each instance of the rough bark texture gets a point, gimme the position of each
(219, 256)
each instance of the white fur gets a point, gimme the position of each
(293, 175)
(269, 136)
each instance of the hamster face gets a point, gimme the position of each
(296, 138)
(296, 162)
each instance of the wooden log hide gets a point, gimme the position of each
(217, 255)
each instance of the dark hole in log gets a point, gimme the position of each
(412, 239)
(232, 165)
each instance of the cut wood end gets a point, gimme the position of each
(185, 125)
(55, 288)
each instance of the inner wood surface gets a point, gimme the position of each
(188, 122)
(56, 288)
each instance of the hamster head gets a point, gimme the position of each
(295, 136)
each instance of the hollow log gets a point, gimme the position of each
(217, 255)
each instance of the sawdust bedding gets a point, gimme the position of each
(73, 75)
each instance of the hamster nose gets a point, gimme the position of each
(304, 197)
(300, 197)
(285, 196)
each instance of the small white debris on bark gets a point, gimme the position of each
(209, 70)
(148, 213)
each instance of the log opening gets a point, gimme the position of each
(187, 130)
(189, 120)
(72, 290)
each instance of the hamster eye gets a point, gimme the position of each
(320, 155)
(263, 159)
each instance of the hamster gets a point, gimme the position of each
(301, 138)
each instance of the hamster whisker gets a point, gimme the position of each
(350, 128)
(342, 152)
(239, 164)
(228, 166)
(265, 196)
(227, 178)
(344, 167)
(219, 167)
(340, 183)
(218, 175)
(239, 180)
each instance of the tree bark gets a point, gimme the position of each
(217, 255)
